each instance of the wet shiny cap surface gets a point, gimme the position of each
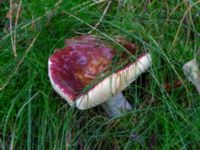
(81, 60)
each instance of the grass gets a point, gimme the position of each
(33, 116)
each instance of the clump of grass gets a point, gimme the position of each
(33, 116)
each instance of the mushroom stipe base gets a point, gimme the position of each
(116, 106)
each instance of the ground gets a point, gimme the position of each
(166, 107)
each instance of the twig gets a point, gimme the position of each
(68, 139)
(20, 62)
(192, 72)
(11, 29)
(101, 19)
(16, 22)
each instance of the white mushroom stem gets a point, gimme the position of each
(192, 72)
(116, 106)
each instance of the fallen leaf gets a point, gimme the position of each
(176, 84)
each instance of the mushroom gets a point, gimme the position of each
(80, 73)
(192, 72)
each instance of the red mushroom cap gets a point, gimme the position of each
(78, 63)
